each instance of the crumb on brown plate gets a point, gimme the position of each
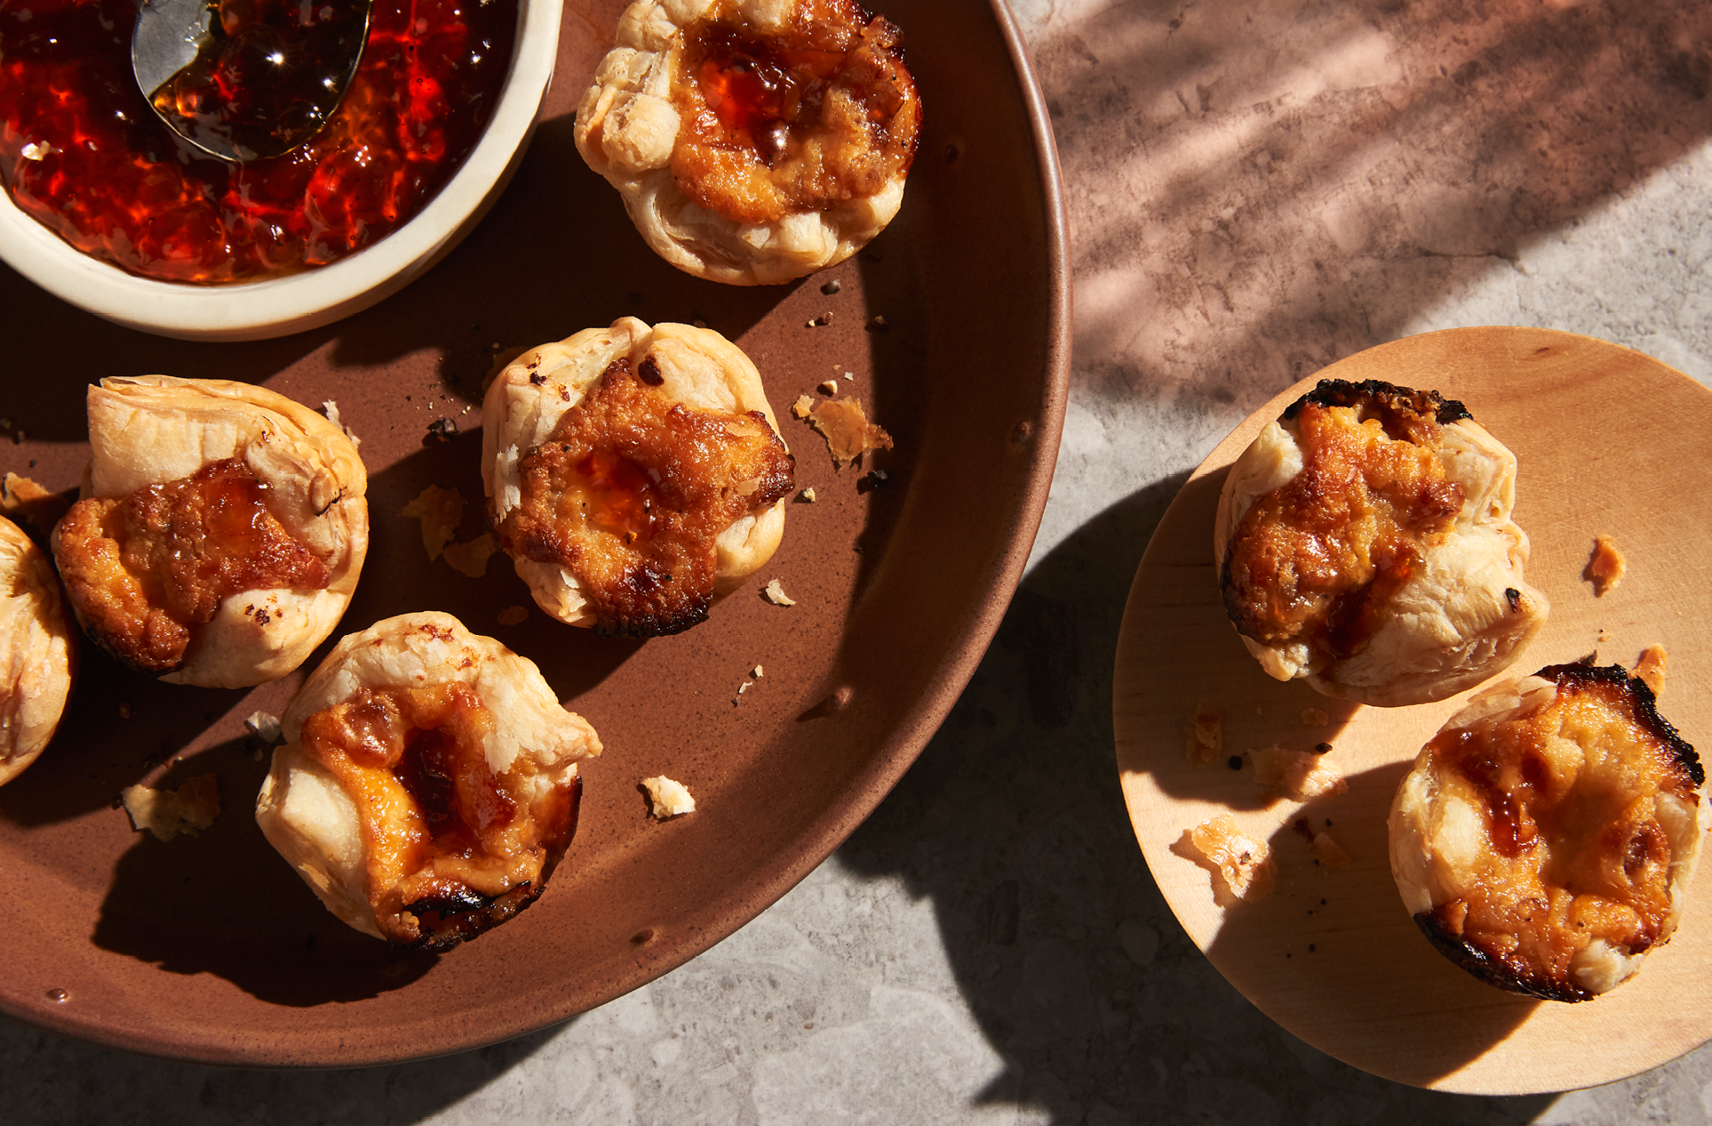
(668, 798)
(1606, 567)
(1206, 736)
(848, 433)
(775, 593)
(1296, 774)
(803, 407)
(471, 558)
(23, 498)
(1315, 717)
(807, 495)
(167, 813)
(513, 615)
(440, 511)
(1242, 868)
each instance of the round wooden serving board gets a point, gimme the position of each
(1610, 442)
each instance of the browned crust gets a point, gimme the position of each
(1643, 701)
(1512, 977)
(1381, 396)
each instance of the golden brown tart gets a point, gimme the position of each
(220, 532)
(753, 141)
(35, 652)
(634, 474)
(1365, 543)
(1544, 839)
(428, 782)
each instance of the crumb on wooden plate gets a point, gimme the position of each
(668, 798)
(167, 813)
(263, 726)
(1606, 567)
(1296, 774)
(23, 498)
(1328, 852)
(1650, 668)
(471, 558)
(1242, 867)
(1206, 736)
(1314, 717)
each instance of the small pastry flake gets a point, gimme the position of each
(753, 141)
(428, 783)
(634, 474)
(1364, 542)
(35, 652)
(220, 533)
(1545, 837)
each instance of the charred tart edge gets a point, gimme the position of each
(461, 923)
(1343, 393)
(1645, 703)
(1491, 970)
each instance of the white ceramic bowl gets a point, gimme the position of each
(279, 306)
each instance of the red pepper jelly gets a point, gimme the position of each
(82, 152)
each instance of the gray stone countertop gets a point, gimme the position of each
(1255, 190)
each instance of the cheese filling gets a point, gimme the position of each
(451, 848)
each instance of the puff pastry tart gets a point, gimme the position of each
(35, 652)
(1365, 542)
(753, 141)
(1545, 837)
(428, 783)
(220, 533)
(634, 474)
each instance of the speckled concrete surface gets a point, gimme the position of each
(1255, 190)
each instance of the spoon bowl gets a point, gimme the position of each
(247, 79)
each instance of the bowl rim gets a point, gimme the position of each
(301, 301)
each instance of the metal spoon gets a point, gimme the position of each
(247, 79)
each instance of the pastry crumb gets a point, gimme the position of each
(1606, 567)
(1242, 868)
(775, 593)
(263, 726)
(1206, 736)
(1650, 668)
(848, 433)
(829, 387)
(440, 511)
(513, 615)
(807, 495)
(757, 672)
(1296, 774)
(471, 558)
(331, 410)
(23, 498)
(167, 813)
(668, 798)
(1328, 852)
(1314, 717)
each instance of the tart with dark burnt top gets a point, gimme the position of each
(221, 530)
(753, 141)
(1365, 543)
(1544, 839)
(428, 784)
(634, 474)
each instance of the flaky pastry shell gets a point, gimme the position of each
(628, 128)
(1545, 838)
(526, 401)
(1460, 618)
(35, 652)
(146, 430)
(312, 820)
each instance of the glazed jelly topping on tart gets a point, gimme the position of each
(801, 121)
(145, 569)
(632, 490)
(453, 849)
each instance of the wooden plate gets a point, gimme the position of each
(1609, 441)
(210, 948)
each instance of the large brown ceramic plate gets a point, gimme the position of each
(1610, 442)
(210, 948)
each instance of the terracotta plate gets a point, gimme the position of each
(210, 948)
(1609, 441)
